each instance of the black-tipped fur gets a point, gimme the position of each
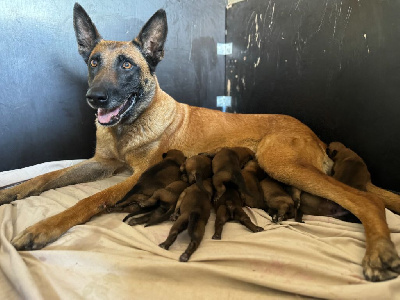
(85, 31)
(152, 37)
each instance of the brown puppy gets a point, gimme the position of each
(166, 199)
(280, 203)
(252, 175)
(227, 165)
(156, 177)
(196, 169)
(194, 213)
(137, 122)
(230, 207)
(348, 168)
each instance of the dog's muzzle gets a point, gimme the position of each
(112, 116)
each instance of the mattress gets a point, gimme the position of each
(108, 259)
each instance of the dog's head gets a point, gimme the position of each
(122, 82)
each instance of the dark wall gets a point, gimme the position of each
(333, 64)
(43, 113)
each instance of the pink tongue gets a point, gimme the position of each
(104, 116)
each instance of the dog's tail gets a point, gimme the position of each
(237, 178)
(199, 182)
(159, 218)
(193, 221)
(391, 200)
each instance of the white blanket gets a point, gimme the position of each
(108, 259)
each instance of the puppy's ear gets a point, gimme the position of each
(164, 155)
(86, 33)
(331, 153)
(152, 37)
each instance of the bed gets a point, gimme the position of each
(108, 259)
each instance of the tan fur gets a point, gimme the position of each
(285, 148)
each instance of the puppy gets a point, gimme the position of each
(280, 203)
(166, 199)
(156, 177)
(252, 175)
(196, 169)
(227, 165)
(194, 213)
(348, 168)
(229, 207)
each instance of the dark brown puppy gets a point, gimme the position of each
(227, 165)
(348, 168)
(252, 175)
(230, 207)
(156, 177)
(280, 203)
(166, 199)
(196, 169)
(195, 210)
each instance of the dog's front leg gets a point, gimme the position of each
(48, 230)
(88, 170)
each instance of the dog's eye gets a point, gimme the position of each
(93, 63)
(127, 65)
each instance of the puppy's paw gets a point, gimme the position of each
(276, 218)
(174, 217)
(184, 257)
(381, 262)
(216, 236)
(258, 229)
(164, 246)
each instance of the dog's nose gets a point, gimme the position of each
(97, 96)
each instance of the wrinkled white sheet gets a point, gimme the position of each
(107, 259)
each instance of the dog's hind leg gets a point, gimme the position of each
(244, 219)
(196, 232)
(219, 180)
(221, 218)
(138, 220)
(391, 200)
(300, 163)
(88, 170)
(179, 226)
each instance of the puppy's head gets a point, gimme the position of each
(334, 148)
(121, 76)
(175, 155)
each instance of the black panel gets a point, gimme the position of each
(43, 113)
(333, 64)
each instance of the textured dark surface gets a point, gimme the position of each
(333, 64)
(43, 111)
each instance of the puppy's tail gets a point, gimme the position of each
(391, 200)
(199, 182)
(237, 178)
(193, 221)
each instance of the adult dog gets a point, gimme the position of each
(137, 122)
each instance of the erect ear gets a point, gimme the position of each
(86, 33)
(152, 37)
(331, 153)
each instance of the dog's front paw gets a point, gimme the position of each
(35, 237)
(382, 262)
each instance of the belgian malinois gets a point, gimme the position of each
(137, 122)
